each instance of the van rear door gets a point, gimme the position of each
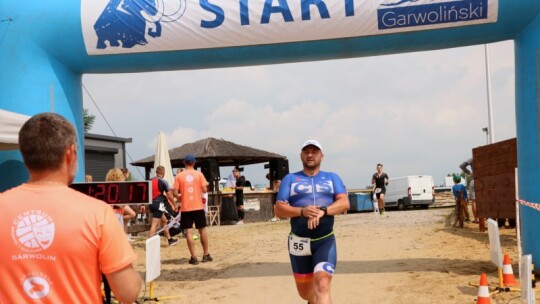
(421, 189)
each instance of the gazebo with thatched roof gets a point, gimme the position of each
(226, 153)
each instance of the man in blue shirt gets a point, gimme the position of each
(311, 198)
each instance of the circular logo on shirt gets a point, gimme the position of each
(36, 287)
(190, 178)
(33, 230)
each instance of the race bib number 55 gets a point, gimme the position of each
(299, 246)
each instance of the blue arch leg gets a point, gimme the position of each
(528, 132)
(26, 78)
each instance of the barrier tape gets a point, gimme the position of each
(525, 203)
(171, 223)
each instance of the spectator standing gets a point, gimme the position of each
(123, 212)
(472, 198)
(72, 237)
(239, 194)
(468, 163)
(231, 180)
(460, 194)
(127, 174)
(274, 187)
(191, 184)
(464, 166)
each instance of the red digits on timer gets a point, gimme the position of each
(143, 196)
(145, 191)
(100, 193)
(116, 193)
(112, 197)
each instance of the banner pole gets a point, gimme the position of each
(518, 221)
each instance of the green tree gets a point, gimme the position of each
(88, 120)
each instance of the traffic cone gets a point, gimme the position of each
(508, 274)
(483, 291)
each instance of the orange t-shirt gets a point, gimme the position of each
(56, 243)
(189, 183)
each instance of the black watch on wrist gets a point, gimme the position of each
(323, 208)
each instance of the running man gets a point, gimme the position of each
(161, 194)
(379, 182)
(311, 198)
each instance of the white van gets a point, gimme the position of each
(414, 190)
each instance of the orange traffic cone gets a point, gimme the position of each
(483, 291)
(508, 274)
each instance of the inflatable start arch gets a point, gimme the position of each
(45, 47)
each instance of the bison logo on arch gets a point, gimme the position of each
(125, 22)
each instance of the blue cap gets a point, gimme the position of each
(190, 158)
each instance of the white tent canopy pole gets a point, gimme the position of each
(162, 159)
(10, 124)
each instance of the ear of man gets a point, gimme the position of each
(70, 164)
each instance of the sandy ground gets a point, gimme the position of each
(410, 256)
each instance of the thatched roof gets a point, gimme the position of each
(225, 152)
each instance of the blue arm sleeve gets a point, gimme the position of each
(339, 187)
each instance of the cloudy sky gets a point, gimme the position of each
(417, 113)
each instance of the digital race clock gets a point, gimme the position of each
(117, 192)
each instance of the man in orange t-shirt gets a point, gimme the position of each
(57, 241)
(191, 184)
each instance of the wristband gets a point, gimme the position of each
(324, 209)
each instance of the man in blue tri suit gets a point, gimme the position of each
(311, 198)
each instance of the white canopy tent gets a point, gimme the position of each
(162, 159)
(10, 124)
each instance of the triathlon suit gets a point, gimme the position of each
(300, 190)
(380, 184)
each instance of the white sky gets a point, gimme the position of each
(417, 113)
